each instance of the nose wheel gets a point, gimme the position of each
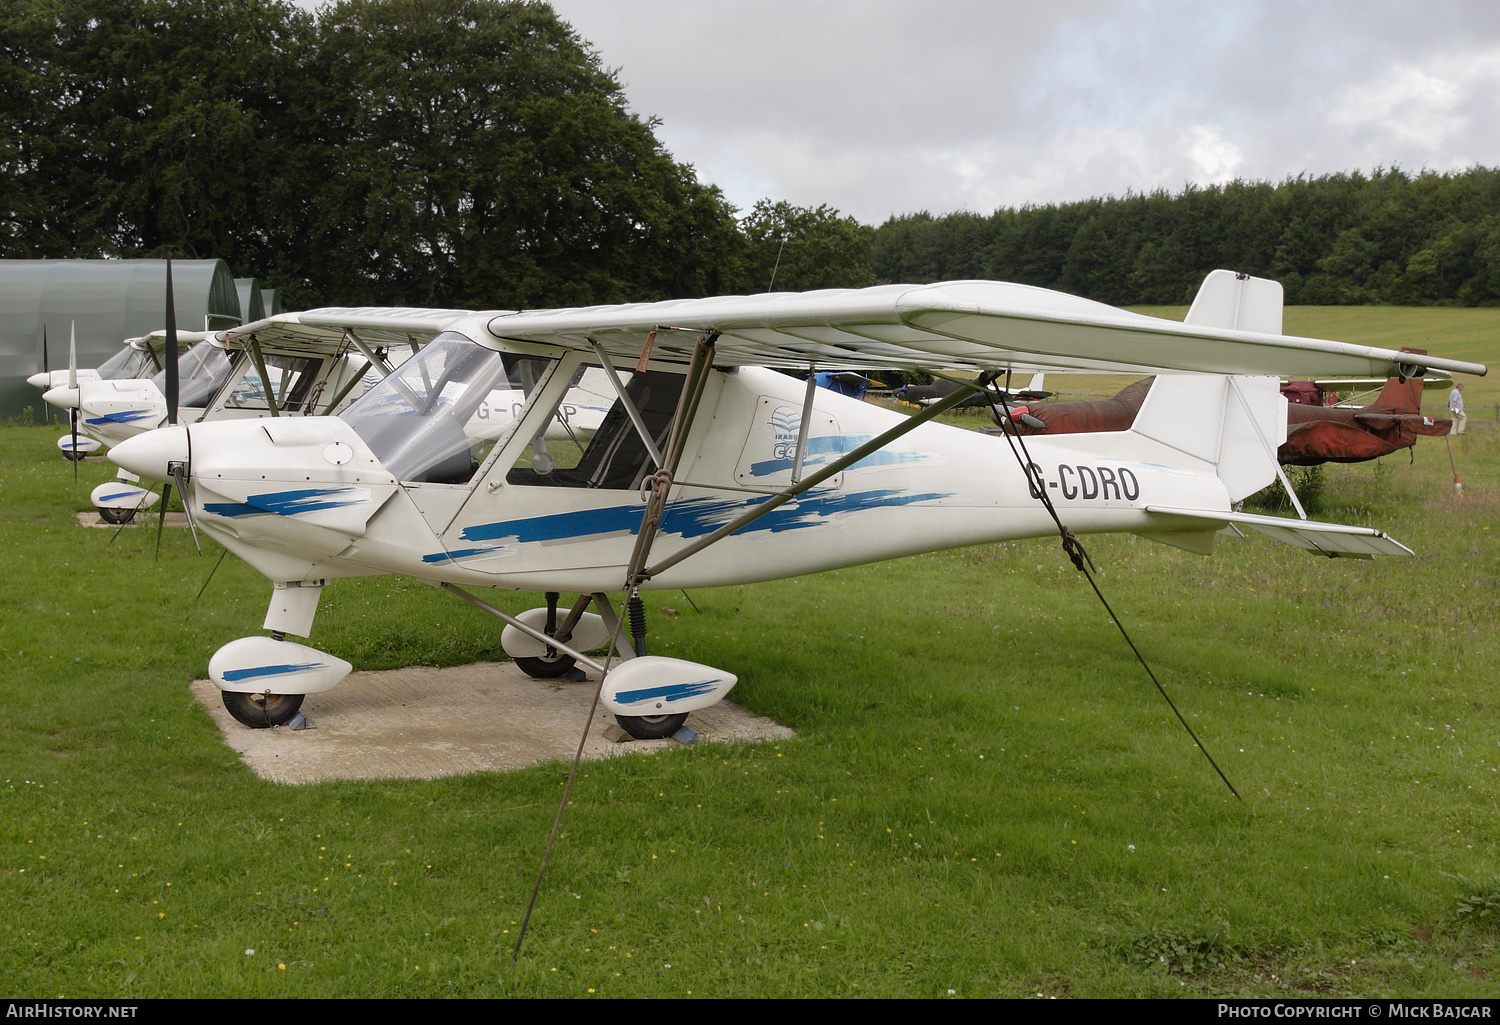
(262, 711)
(651, 727)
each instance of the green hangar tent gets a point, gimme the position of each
(108, 301)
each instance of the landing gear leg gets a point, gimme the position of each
(553, 664)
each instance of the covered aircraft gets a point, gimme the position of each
(710, 468)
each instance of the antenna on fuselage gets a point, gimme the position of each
(777, 265)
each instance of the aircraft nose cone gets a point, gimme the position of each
(150, 454)
(41, 379)
(62, 398)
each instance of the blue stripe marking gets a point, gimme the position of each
(230, 508)
(688, 518)
(284, 503)
(129, 416)
(820, 449)
(462, 553)
(122, 494)
(563, 525)
(697, 516)
(235, 675)
(672, 692)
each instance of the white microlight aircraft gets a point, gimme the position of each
(228, 375)
(138, 358)
(709, 469)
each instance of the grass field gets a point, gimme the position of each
(986, 795)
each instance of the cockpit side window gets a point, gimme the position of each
(291, 377)
(589, 440)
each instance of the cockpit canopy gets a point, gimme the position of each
(437, 417)
(126, 365)
(200, 373)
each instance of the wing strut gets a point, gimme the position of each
(660, 482)
(837, 466)
(259, 358)
(628, 403)
(807, 406)
(380, 365)
(347, 388)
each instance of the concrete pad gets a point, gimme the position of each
(423, 723)
(147, 518)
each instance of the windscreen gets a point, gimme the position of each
(125, 365)
(200, 373)
(437, 417)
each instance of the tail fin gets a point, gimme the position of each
(1236, 423)
(1400, 396)
(1238, 302)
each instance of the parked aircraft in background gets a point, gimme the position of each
(137, 358)
(228, 375)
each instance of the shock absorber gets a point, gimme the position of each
(552, 597)
(637, 622)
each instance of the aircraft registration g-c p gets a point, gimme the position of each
(711, 468)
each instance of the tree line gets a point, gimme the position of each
(475, 153)
(1386, 237)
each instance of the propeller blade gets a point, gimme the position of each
(171, 367)
(73, 383)
(46, 369)
(166, 496)
(187, 507)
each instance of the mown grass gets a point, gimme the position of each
(986, 794)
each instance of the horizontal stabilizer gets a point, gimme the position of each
(1334, 540)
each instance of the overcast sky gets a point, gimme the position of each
(878, 107)
(881, 107)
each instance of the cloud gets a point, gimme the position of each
(1213, 159)
(1421, 105)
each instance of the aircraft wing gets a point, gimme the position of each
(1334, 540)
(322, 330)
(959, 326)
(1431, 382)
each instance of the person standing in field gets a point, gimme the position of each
(1456, 407)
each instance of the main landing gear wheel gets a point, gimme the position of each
(262, 711)
(116, 516)
(543, 668)
(651, 727)
(75, 457)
